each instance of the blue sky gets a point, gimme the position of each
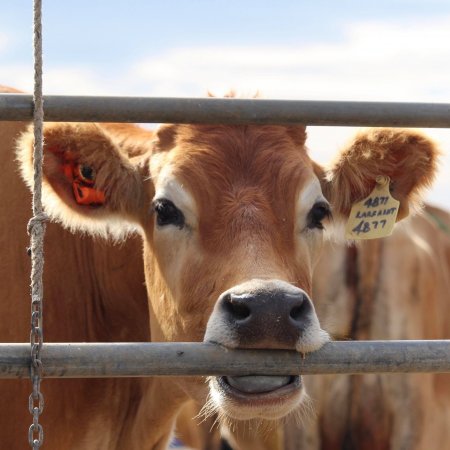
(394, 50)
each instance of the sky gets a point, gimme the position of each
(384, 50)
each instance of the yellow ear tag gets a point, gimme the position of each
(373, 217)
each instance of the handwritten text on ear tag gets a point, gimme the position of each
(373, 217)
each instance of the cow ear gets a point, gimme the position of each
(407, 157)
(89, 182)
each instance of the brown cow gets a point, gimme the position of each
(232, 221)
(94, 292)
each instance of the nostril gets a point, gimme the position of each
(240, 311)
(297, 312)
(300, 310)
(237, 309)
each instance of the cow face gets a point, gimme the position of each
(243, 214)
(232, 219)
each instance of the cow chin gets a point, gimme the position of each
(256, 397)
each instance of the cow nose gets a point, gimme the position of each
(266, 319)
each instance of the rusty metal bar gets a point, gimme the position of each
(89, 360)
(58, 108)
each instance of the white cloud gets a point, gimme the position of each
(374, 61)
(70, 80)
(19, 76)
(74, 80)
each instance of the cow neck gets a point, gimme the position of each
(363, 269)
(362, 279)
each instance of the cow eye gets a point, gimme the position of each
(317, 214)
(167, 213)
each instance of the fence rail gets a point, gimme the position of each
(58, 108)
(86, 360)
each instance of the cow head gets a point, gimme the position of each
(232, 220)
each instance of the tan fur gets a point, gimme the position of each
(245, 181)
(406, 156)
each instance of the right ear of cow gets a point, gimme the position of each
(88, 182)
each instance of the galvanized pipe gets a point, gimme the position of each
(86, 360)
(18, 107)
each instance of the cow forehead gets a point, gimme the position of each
(223, 157)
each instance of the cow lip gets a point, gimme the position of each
(293, 384)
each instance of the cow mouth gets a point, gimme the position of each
(259, 388)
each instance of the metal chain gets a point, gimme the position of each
(36, 399)
(36, 229)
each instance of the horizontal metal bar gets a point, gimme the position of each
(227, 111)
(86, 360)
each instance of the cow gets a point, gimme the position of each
(232, 222)
(94, 291)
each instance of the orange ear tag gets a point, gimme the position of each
(85, 195)
(82, 179)
(375, 216)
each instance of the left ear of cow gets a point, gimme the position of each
(87, 179)
(407, 157)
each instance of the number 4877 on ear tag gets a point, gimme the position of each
(375, 216)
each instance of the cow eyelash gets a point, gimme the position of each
(319, 212)
(167, 213)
